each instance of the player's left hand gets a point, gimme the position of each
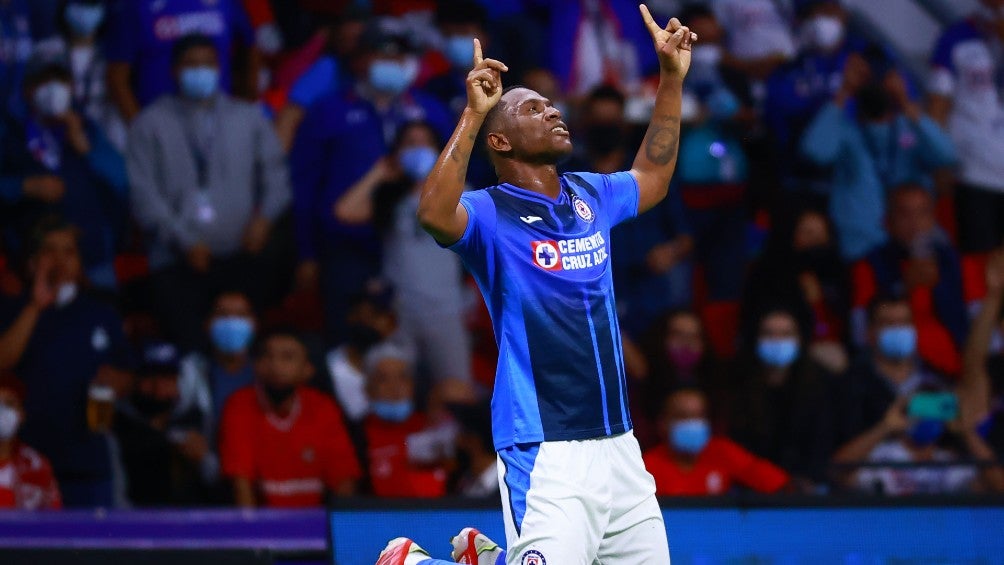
(672, 44)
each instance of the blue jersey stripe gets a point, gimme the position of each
(619, 360)
(599, 363)
(519, 462)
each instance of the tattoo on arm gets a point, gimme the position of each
(662, 139)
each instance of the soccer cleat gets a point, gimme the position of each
(401, 551)
(474, 548)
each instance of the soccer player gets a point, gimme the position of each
(573, 483)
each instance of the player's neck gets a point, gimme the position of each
(542, 178)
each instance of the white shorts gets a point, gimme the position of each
(580, 502)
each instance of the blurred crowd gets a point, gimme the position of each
(214, 290)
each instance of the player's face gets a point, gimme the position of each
(534, 127)
(283, 362)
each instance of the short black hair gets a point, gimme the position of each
(54, 70)
(44, 227)
(187, 43)
(460, 12)
(494, 114)
(284, 332)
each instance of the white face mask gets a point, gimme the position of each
(824, 32)
(53, 98)
(65, 294)
(706, 55)
(10, 420)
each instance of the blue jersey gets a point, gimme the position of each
(543, 267)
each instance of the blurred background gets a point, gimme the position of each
(215, 296)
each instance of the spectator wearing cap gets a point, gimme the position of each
(209, 182)
(167, 458)
(206, 381)
(965, 85)
(26, 479)
(59, 161)
(692, 462)
(140, 45)
(283, 444)
(402, 461)
(64, 344)
(341, 138)
(15, 50)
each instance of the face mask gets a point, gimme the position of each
(723, 105)
(690, 436)
(231, 334)
(199, 83)
(897, 342)
(65, 294)
(925, 432)
(825, 32)
(604, 139)
(459, 51)
(392, 411)
(278, 394)
(150, 406)
(683, 358)
(392, 77)
(84, 19)
(53, 98)
(10, 421)
(777, 352)
(417, 162)
(706, 55)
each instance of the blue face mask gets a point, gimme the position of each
(925, 432)
(398, 411)
(777, 351)
(897, 342)
(84, 19)
(199, 83)
(390, 77)
(417, 162)
(231, 334)
(459, 51)
(722, 104)
(690, 436)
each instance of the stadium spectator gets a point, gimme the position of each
(26, 479)
(801, 264)
(964, 90)
(69, 350)
(458, 22)
(759, 35)
(206, 381)
(677, 354)
(16, 43)
(209, 182)
(692, 461)
(427, 279)
(281, 443)
(398, 466)
(781, 404)
(167, 457)
(328, 73)
(81, 26)
(370, 321)
(342, 136)
(58, 161)
(981, 391)
(903, 438)
(920, 263)
(890, 368)
(889, 142)
(799, 89)
(477, 462)
(141, 52)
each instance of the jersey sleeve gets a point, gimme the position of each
(617, 194)
(481, 224)
(236, 451)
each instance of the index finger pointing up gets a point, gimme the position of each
(653, 27)
(477, 53)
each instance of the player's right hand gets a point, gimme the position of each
(484, 82)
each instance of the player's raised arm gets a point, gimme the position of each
(656, 160)
(439, 208)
